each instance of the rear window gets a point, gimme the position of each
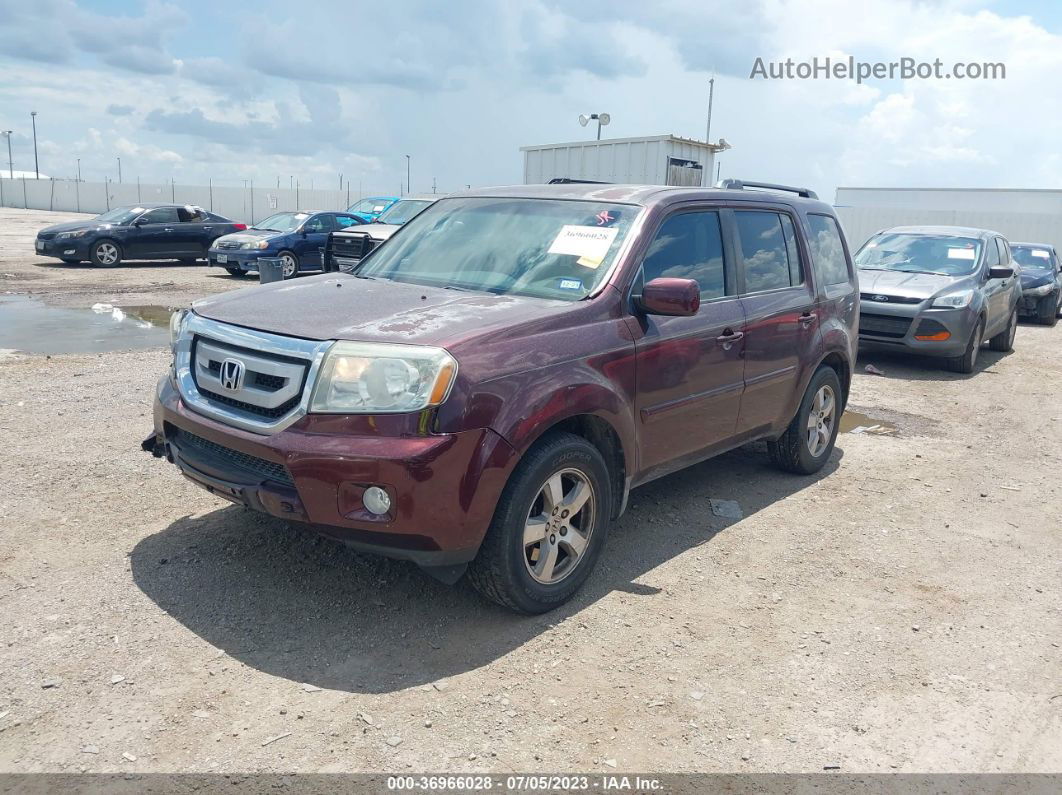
(768, 247)
(827, 250)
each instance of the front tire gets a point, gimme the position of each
(808, 441)
(549, 527)
(105, 254)
(1004, 340)
(290, 268)
(1047, 310)
(965, 364)
(240, 272)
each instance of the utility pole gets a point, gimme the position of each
(433, 185)
(711, 93)
(119, 170)
(409, 188)
(36, 167)
(10, 164)
(79, 169)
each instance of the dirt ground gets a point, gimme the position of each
(901, 611)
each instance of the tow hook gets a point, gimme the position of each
(154, 446)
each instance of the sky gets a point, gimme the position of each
(197, 90)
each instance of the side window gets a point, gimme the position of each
(689, 246)
(991, 255)
(343, 221)
(767, 238)
(160, 215)
(320, 223)
(827, 250)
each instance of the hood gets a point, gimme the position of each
(1036, 277)
(906, 285)
(72, 226)
(373, 230)
(345, 307)
(250, 236)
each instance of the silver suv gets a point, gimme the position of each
(938, 291)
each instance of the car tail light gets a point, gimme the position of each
(239, 227)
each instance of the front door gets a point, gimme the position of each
(781, 314)
(689, 369)
(153, 234)
(313, 238)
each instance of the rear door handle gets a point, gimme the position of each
(167, 230)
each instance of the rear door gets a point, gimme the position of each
(189, 234)
(996, 290)
(154, 235)
(689, 369)
(781, 314)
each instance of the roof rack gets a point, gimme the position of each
(738, 184)
(571, 181)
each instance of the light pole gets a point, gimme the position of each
(119, 170)
(409, 189)
(711, 95)
(36, 167)
(79, 169)
(600, 118)
(10, 164)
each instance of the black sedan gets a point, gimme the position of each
(147, 231)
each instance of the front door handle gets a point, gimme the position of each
(728, 338)
(807, 319)
(167, 230)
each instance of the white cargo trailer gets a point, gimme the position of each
(653, 160)
(1026, 215)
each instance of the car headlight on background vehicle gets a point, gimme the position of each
(177, 326)
(954, 300)
(259, 244)
(1043, 289)
(381, 378)
(71, 235)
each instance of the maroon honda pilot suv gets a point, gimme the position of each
(484, 390)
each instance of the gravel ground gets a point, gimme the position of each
(898, 612)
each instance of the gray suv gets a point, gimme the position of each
(938, 291)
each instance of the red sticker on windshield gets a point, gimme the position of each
(604, 218)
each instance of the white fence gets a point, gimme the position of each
(239, 204)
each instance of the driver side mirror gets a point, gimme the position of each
(140, 221)
(1000, 272)
(671, 297)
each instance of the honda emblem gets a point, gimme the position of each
(231, 376)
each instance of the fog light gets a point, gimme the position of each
(376, 500)
(70, 251)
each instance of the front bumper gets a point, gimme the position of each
(443, 487)
(244, 259)
(1029, 304)
(74, 248)
(945, 332)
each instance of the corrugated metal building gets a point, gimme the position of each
(653, 160)
(1019, 214)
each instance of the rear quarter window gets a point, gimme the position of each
(827, 250)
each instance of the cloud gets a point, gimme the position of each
(120, 110)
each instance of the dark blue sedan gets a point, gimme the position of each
(294, 238)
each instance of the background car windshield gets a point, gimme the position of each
(120, 215)
(943, 254)
(402, 211)
(540, 247)
(282, 222)
(368, 206)
(1031, 256)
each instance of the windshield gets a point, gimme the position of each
(1032, 256)
(120, 215)
(911, 253)
(369, 206)
(548, 248)
(402, 211)
(281, 222)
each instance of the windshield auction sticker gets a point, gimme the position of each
(589, 243)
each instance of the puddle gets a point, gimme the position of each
(855, 422)
(31, 326)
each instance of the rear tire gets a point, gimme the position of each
(965, 364)
(1047, 310)
(808, 441)
(105, 254)
(240, 272)
(537, 553)
(1004, 340)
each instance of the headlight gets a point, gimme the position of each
(380, 378)
(259, 244)
(1043, 289)
(71, 235)
(177, 326)
(954, 300)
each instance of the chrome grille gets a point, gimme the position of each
(227, 245)
(274, 395)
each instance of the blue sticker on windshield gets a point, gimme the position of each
(569, 284)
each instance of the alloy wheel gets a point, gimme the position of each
(558, 527)
(821, 419)
(107, 253)
(288, 268)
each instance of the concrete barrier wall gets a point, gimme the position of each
(239, 204)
